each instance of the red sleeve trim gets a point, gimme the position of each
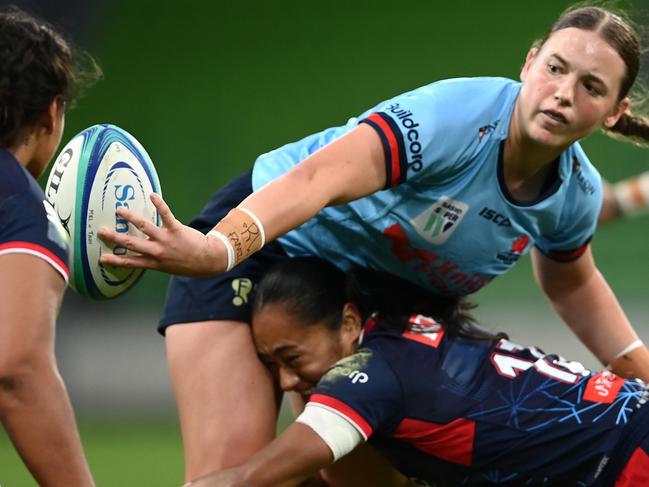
(20, 247)
(393, 147)
(344, 410)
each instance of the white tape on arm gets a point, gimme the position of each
(629, 348)
(228, 247)
(632, 195)
(262, 232)
(339, 434)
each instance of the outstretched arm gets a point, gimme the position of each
(583, 299)
(625, 198)
(295, 455)
(348, 168)
(34, 405)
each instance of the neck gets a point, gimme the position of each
(24, 154)
(526, 163)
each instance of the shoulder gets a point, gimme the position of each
(14, 179)
(584, 181)
(28, 223)
(466, 94)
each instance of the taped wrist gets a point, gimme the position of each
(632, 195)
(241, 233)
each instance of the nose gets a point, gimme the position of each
(565, 91)
(287, 379)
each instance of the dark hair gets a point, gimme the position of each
(619, 32)
(37, 64)
(315, 291)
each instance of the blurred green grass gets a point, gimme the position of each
(122, 452)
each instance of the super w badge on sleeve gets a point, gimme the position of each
(438, 222)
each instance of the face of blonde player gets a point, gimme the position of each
(571, 87)
(299, 353)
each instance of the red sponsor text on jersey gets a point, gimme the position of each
(444, 275)
(603, 387)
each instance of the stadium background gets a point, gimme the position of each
(206, 86)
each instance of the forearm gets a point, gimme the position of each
(594, 314)
(36, 412)
(348, 168)
(297, 454)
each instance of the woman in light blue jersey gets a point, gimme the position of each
(446, 186)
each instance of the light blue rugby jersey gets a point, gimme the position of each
(445, 219)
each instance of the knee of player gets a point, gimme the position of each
(19, 369)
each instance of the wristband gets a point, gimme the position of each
(243, 232)
(629, 348)
(228, 247)
(632, 195)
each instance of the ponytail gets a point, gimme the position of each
(634, 128)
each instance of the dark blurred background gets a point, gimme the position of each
(207, 86)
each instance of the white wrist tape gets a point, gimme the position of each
(339, 434)
(262, 232)
(228, 247)
(632, 195)
(629, 348)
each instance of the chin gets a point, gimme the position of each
(546, 138)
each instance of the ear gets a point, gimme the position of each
(613, 118)
(52, 117)
(528, 62)
(351, 324)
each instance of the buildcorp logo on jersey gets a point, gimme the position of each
(439, 221)
(411, 134)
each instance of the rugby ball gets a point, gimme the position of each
(99, 170)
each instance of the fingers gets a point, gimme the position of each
(129, 242)
(168, 219)
(141, 223)
(134, 261)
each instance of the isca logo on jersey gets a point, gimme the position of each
(438, 222)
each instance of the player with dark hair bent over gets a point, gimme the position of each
(446, 402)
(40, 74)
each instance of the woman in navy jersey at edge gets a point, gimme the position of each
(446, 402)
(446, 186)
(40, 75)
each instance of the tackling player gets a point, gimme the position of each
(446, 402)
(40, 74)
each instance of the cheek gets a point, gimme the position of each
(590, 114)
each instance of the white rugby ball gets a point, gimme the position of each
(99, 170)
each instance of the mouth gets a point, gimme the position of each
(555, 116)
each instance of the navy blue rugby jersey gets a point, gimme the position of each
(28, 223)
(478, 413)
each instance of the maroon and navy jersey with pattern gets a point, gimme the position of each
(28, 223)
(481, 412)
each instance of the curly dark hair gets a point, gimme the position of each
(37, 65)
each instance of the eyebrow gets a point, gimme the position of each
(590, 76)
(282, 349)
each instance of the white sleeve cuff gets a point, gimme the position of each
(339, 434)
